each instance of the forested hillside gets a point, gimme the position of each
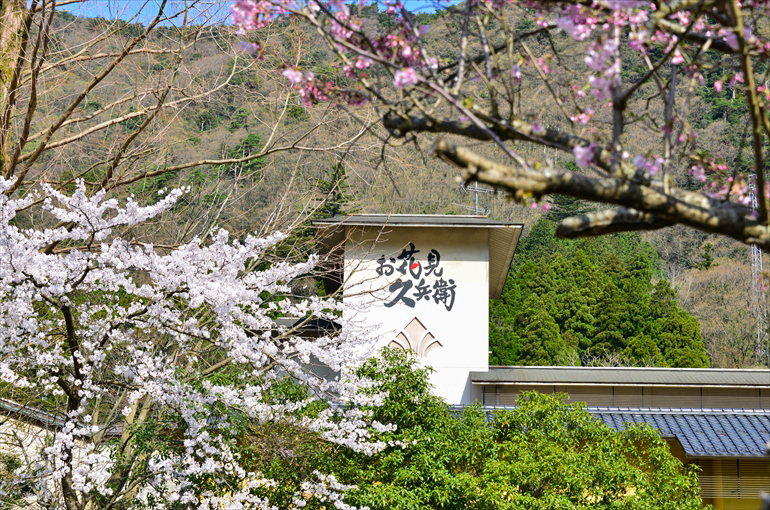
(629, 299)
(588, 302)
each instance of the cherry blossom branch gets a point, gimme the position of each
(678, 206)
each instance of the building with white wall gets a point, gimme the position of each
(426, 281)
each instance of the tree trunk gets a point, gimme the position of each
(11, 34)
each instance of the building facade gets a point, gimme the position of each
(424, 282)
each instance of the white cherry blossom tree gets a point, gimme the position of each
(147, 359)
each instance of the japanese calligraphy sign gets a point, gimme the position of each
(417, 282)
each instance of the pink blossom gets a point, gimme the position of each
(584, 156)
(678, 58)
(698, 172)
(730, 38)
(600, 87)
(620, 5)
(640, 17)
(583, 117)
(295, 77)
(718, 85)
(250, 48)
(574, 21)
(749, 36)
(405, 77)
(516, 73)
(651, 167)
(598, 54)
(244, 13)
(543, 65)
(636, 39)
(363, 62)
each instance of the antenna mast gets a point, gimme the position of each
(476, 209)
(756, 272)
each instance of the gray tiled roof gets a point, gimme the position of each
(623, 376)
(41, 418)
(24, 412)
(701, 432)
(726, 433)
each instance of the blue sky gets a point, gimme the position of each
(145, 10)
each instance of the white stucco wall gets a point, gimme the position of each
(461, 331)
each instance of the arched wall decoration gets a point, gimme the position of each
(415, 337)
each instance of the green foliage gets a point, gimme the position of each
(550, 454)
(296, 113)
(243, 75)
(65, 16)
(206, 120)
(333, 199)
(239, 119)
(91, 106)
(12, 495)
(722, 106)
(130, 30)
(280, 449)
(133, 123)
(248, 146)
(707, 261)
(586, 300)
(385, 20)
(543, 454)
(161, 62)
(335, 191)
(149, 189)
(563, 206)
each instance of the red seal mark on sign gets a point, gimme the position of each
(415, 266)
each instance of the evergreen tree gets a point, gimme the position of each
(676, 333)
(643, 351)
(563, 206)
(590, 299)
(541, 342)
(245, 148)
(335, 193)
(334, 199)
